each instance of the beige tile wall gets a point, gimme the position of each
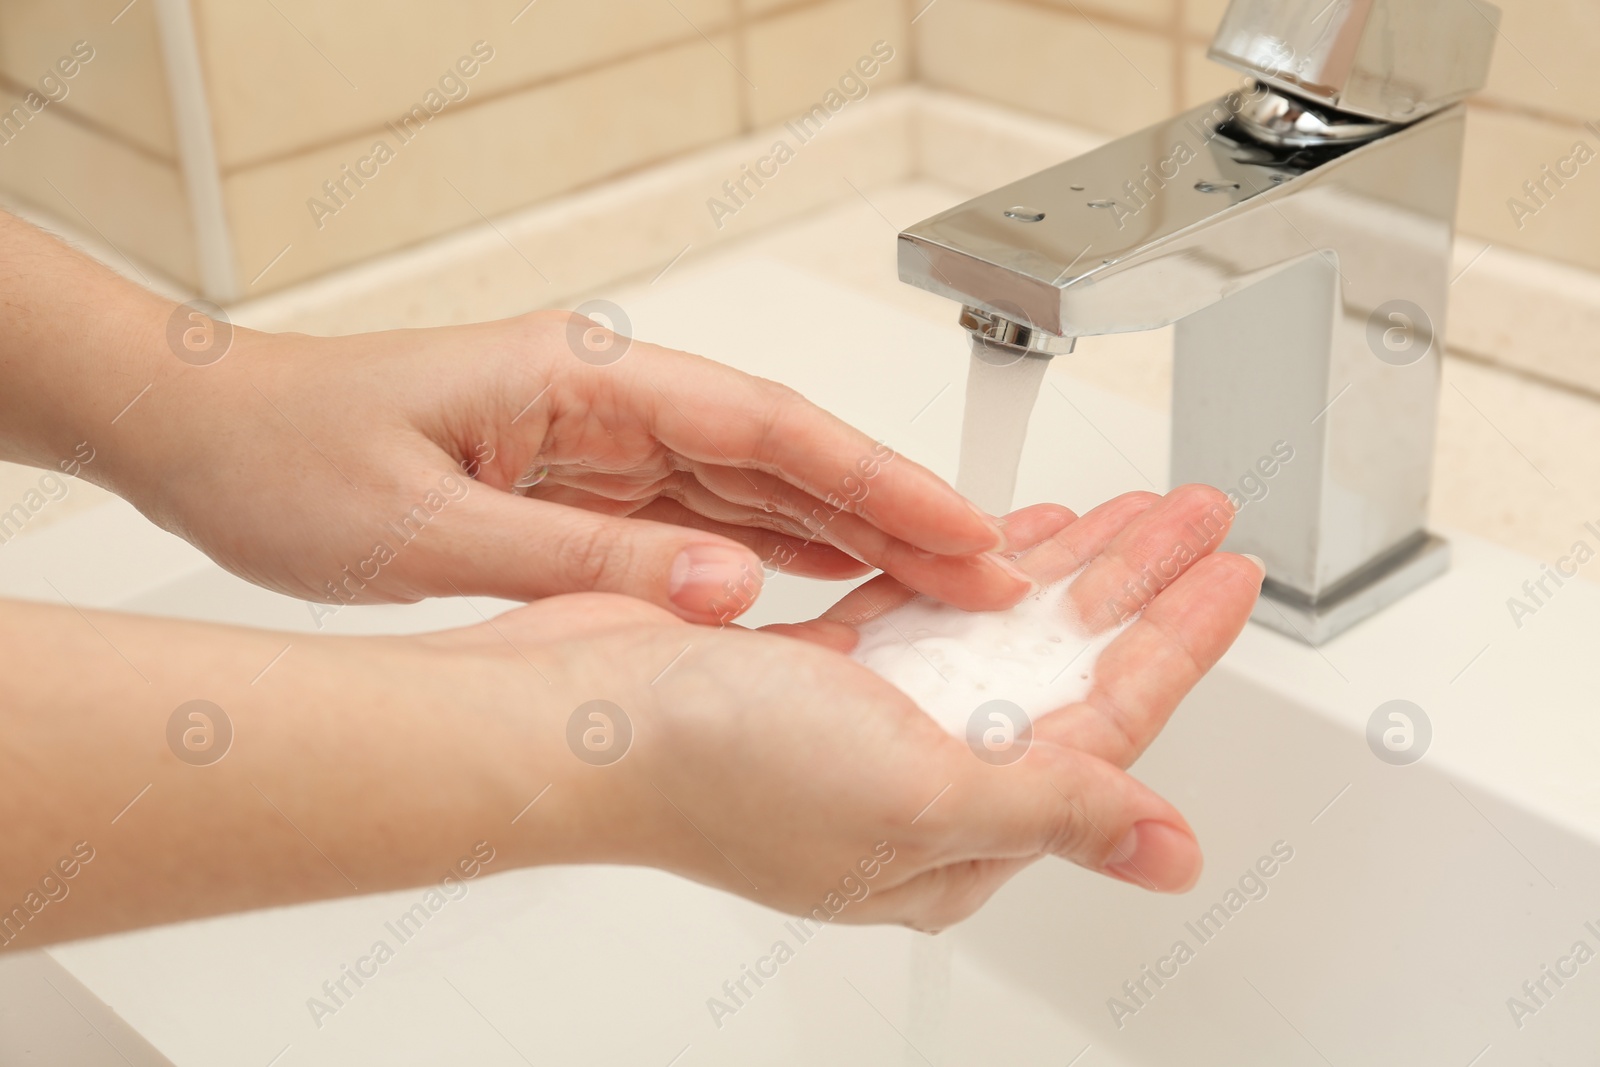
(296, 74)
(579, 91)
(1543, 88)
(794, 56)
(465, 166)
(122, 91)
(576, 91)
(102, 156)
(1109, 73)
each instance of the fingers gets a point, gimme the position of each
(779, 541)
(831, 635)
(994, 821)
(1028, 527)
(1065, 553)
(714, 414)
(1025, 528)
(792, 555)
(1203, 603)
(978, 582)
(1149, 554)
(1143, 675)
(495, 544)
(836, 629)
(557, 618)
(1071, 804)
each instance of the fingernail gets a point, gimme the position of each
(1015, 571)
(1260, 563)
(996, 526)
(714, 581)
(1156, 856)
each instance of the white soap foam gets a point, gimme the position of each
(1038, 655)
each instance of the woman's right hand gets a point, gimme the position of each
(773, 767)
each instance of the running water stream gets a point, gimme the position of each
(1002, 388)
(957, 665)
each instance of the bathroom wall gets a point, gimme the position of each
(97, 148)
(566, 93)
(481, 106)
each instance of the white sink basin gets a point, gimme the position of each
(1418, 898)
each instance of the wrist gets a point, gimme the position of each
(79, 344)
(179, 419)
(592, 743)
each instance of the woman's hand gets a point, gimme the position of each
(523, 458)
(770, 767)
(494, 459)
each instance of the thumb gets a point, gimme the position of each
(1094, 813)
(1076, 806)
(497, 544)
(995, 820)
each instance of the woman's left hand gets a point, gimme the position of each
(506, 459)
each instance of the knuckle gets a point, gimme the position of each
(1074, 837)
(772, 425)
(540, 331)
(592, 559)
(779, 395)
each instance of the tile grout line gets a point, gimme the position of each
(1180, 62)
(476, 101)
(741, 58)
(1494, 105)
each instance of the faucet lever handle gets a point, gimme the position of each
(1392, 60)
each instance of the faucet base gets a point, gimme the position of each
(1289, 612)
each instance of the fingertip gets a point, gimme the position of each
(997, 584)
(869, 600)
(1206, 494)
(1249, 570)
(1029, 526)
(1044, 509)
(993, 536)
(1201, 510)
(714, 581)
(1136, 500)
(1120, 511)
(974, 530)
(825, 632)
(923, 510)
(1157, 856)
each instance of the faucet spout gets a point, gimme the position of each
(1299, 234)
(1308, 283)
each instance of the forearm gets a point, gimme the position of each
(356, 765)
(77, 343)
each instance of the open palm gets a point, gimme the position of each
(768, 766)
(1139, 554)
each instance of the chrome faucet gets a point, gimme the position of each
(1299, 233)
